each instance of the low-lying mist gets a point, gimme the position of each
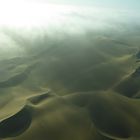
(76, 26)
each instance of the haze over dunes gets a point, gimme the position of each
(70, 73)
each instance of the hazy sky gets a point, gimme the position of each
(129, 4)
(117, 4)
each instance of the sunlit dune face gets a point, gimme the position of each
(17, 13)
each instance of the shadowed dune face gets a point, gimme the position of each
(99, 117)
(109, 119)
(39, 98)
(77, 80)
(58, 118)
(113, 120)
(130, 85)
(16, 124)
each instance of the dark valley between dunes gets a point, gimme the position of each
(72, 74)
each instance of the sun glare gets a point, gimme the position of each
(23, 13)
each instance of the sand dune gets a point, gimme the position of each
(16, 124)
(91, 115)
(72, 90)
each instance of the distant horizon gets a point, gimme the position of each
(117, 4)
